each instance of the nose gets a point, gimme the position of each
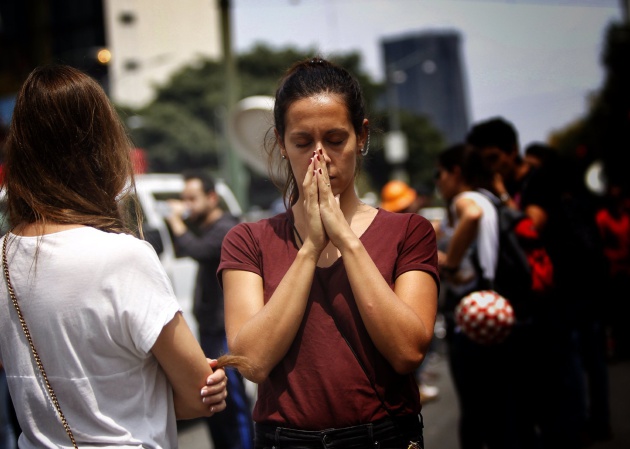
(321, 151)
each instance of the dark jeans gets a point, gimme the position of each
(592, 339)
(491, 383)
(400, 433)
(233, 427)
(559, 383)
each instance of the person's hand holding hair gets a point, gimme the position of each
(213, 394)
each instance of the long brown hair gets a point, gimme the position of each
(68, 156)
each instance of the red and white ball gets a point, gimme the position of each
(485, 317)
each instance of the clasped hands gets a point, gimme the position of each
(324, 219)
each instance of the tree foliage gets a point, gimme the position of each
(182, 127)
(604, 132)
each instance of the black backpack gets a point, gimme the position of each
(513, 277)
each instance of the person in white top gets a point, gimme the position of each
(99, 307)
(483, 375)
(473, 218)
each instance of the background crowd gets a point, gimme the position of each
(546, 385)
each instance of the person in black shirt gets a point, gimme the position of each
(555, 199)
(200, 236)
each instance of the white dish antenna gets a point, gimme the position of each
(248, 124)
(595, 178)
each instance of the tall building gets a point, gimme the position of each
(146, 41)
(39, 32)
(149, 40)
(426, 74)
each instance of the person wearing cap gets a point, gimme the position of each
(398, 196)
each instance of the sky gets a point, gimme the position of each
(534, 62)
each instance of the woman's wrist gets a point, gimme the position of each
(349, 243)
(309, 251)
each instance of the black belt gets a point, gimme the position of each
(359, 436)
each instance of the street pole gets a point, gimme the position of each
(396, 150)
(237, 177)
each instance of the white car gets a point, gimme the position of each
(153, 190)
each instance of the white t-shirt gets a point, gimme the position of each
(95, 303)
(487, 234)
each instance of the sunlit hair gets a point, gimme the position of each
(68, 156)
(305, 79)
(243, 364)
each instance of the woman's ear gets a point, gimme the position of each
(283, 151)
(278, 138)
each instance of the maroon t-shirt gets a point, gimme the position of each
(319, 384)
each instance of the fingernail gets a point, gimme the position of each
(211, 409)
(310, 161)
(320, 171)
(203, 390)
(321, 151)
(204, 400)
(317, 157)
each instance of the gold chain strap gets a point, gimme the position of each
(53, 396)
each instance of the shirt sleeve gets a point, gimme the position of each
(419, 249)
(146, 297)
(240, 251)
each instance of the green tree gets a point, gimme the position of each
(174, 137)
(604, 132)
(182, 127)
(607, 128)
(424, 143)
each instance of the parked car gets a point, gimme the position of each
(153, 190)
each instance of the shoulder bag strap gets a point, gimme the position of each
(38, 361)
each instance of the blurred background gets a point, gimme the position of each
(194, 82)
(177, 71)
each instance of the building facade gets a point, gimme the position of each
(149, 40)
(426, 76)
(145, 41)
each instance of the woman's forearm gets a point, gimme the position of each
(265, 333)
(399, 322)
